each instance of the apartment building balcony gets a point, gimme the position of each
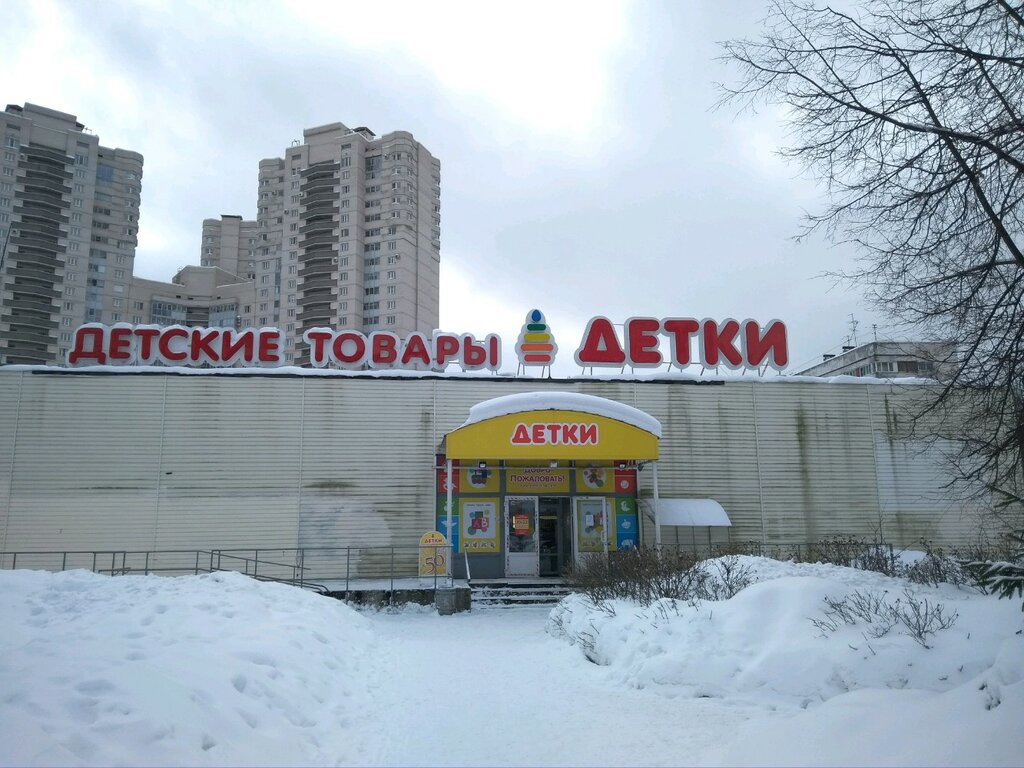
(318, 268)
(30, 286)
(318, 283)
(314, 240)
(316, 197)
(47, 169)
(38, 181)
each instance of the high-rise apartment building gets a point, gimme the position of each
(228, 243)
(69, 218)
(348, 235)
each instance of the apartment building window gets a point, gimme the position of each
(343, 291)
(5, 202)
(263, 306)
(76, 217)
(343, 218)
(343, 261)
(65, 337)
(392, 274)
(374, 291)
(391, 290)
(390, 304)
(343, 247)
(119, 274)
(75, 232)
(291, 283)
(9, 157)
(370, 247)
(72, 246)
(136, 319)
(69, 291)
(264, 292)
(118, 302)
(392, 245)
(392, 259)
(116, 317)
(344, 203)
(72, 261)
(81, 159)
(71, 276)
(12, 142)
(343, 306)
(265, 264)
(65, 321)
(8, 171)
(76, 202)
(390, 319)
(343, 276)
(346, 162)
(264, 279)
(138, 305)
(291, 313)
(293, 241)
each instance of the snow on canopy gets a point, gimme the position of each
(563, 401)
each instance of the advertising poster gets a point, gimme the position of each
(442, 522)
(536, 481)
(625, 481)
(478, 532)
(479, 480)
(595, 480)
(627, 531)
(433, 555)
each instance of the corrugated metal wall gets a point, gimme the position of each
(163, 461)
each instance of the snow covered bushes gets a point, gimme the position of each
(918, 616)
(645, 575)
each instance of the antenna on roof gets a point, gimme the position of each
(852, 338)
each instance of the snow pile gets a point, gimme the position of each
(205, 670)
(563, 401)
(761, 647)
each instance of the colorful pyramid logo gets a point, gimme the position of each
(536, 345)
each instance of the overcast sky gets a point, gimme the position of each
(584, 170)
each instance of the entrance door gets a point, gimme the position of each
(522, 553)
(555, 529)
(590, 525)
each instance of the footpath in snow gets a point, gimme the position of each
(223, 670)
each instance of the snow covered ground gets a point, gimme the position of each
(223, 670)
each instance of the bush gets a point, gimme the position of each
(918, 616)
(644, 575)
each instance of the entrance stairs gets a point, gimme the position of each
(514, 593)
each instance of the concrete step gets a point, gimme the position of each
(517, 593)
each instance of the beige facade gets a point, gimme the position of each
(69, 218)
(228, 243)
(197, 296)
(890, 360)
(266, 460)
(348, 235)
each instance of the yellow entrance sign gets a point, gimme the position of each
(433, 554)
(551, 434)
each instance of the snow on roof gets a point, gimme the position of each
(563, 401)
(392, 373)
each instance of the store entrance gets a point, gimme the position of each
(555, 528)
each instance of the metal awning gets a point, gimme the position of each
(690, 512)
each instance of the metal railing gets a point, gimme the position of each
(319, 568)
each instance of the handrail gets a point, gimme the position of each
(469, 576)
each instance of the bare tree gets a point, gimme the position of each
(910, 112)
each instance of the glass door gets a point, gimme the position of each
(590, 525)
(522, 553)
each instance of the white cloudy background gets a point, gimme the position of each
(584, 169)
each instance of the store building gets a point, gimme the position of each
(542, 471)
